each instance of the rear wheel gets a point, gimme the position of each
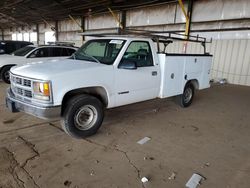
(5, 74)
(186, 98)
(82, 116)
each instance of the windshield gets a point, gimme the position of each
(100, 51)
(23, 51)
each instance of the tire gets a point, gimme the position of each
(5, 75)
(186, 99)
(83, 116)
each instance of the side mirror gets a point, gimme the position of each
(127, 64)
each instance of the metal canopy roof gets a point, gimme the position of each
(15, 13)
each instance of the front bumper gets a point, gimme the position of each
(14, 105)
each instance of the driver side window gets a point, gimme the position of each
(39, 53)
(140, 53)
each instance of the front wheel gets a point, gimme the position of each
(5, 74)
(186, 98)
(82, 116)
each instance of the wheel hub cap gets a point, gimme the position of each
(86, 117)
(188, 95)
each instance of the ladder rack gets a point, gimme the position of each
(165, 37)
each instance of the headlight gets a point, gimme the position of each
(41, 90)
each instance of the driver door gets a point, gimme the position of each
(140, 83)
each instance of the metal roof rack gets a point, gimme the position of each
(165, 37)
(58, 43)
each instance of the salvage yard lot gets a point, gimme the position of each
(211, 137)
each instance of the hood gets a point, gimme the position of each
(48, 69)
(6, 56)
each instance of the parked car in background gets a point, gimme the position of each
(33, 53)
(9, 46)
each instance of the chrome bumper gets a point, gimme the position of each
(14, 105)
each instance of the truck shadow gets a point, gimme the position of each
(132, 111)
(139, 110)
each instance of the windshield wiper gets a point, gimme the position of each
(74, 56)
(92, 57)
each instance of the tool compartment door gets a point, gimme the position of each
(207, 62)
(194, 64)
(174, 76)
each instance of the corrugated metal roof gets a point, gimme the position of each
(23, 12)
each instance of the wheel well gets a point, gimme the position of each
(195, 83)
(11, 65)
(98, 92)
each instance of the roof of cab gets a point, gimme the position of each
(60, 46)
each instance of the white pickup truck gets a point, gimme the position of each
(105, 73)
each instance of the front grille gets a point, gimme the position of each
(21, 86)
(27, 82)
(19, 91)
(18, 80)
(27, 93)
(21, 81)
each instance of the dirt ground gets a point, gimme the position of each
(211, 137)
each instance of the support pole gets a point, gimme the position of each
(56, 30)
(186, 16)
(37, 31)
(2, 34)
(190, 11)
(74, 20)
(124, 18)
(116, 17)
(46, 22)
(83, 27)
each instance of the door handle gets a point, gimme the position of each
(154, 73)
